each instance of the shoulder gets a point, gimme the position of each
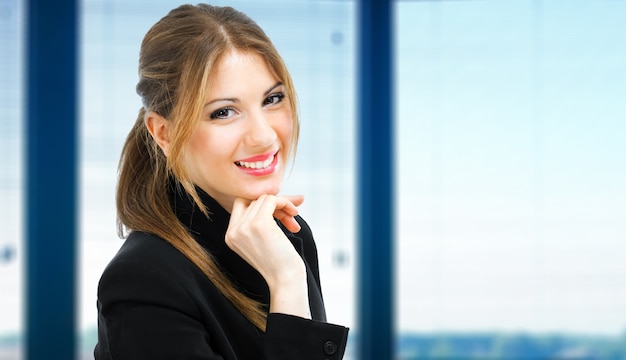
(149, 249)
(154, 303)
(140, 245)
(148, 267)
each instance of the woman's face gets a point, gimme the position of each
(241, 145)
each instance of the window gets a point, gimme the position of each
(511, 169)
(510, 166)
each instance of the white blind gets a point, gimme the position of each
(11, 259)
(512, 166)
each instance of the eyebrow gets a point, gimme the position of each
(237, 100)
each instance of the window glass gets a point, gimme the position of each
(511, 158)
(316, 40)
(11, 259)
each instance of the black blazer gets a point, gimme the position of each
(153, 303)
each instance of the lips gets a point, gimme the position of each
(256, 164)
(259, 162)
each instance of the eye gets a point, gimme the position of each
(223, 113)
(274, 99)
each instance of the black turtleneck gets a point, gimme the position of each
(154, 303)
(210, 233)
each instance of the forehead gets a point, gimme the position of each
(240, 70)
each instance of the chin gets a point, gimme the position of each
(265, 191)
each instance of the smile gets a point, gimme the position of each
(259, 165)
(256, 164)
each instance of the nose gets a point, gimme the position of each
(260, 132)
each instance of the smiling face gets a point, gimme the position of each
(242, 143)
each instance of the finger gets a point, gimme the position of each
(253, 208)
(289, 204)
(239, 207)
(240, 204)
(237, 215)
(286, 215)
(288, 220)
(279, 207)
(297, 200)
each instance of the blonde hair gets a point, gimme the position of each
(177, 57)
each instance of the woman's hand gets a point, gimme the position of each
(254, 235)
(286, 215)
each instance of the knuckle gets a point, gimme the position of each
(228, 238)
(257, 225)
(231, 237)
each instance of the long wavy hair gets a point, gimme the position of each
(177, 57)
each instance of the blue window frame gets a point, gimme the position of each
(50, 191)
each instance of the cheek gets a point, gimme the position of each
(197, 145)
(214, 144)
(201, 149)
(285, 129)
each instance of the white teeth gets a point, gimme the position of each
(256, 164)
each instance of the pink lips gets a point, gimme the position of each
(258, 157)
(259, 165)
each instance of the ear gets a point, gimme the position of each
(158, 127)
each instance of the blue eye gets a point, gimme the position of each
(222, 113)
(274, 99)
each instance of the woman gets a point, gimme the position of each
(216, 265)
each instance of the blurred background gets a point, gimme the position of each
(510, 160)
